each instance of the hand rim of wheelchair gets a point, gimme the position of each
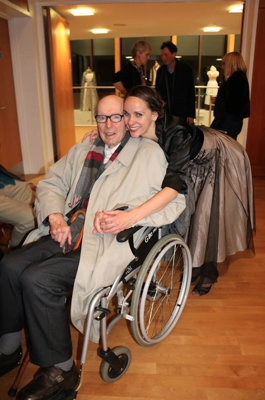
(149, 267)
(109, 374)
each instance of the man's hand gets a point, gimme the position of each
(59, 230)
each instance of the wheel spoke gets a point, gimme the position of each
(164, 284)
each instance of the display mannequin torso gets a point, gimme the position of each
(212, 85)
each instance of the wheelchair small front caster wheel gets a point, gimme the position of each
(110, 374)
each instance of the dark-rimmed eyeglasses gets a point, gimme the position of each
(101, 119)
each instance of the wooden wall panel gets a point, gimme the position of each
(10, 150)
(256, 127)
(61, 69)
(22, 4)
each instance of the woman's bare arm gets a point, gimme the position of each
(117, 220)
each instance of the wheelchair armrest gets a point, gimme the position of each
(127, 233)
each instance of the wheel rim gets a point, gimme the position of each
(109, 373)
(163, 297)
(113, 373)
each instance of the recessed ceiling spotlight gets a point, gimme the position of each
(211, 29)
(80, 12)
(237, 8)
(98, 31)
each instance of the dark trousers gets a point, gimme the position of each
(35, 281)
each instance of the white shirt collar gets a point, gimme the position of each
(108, 151)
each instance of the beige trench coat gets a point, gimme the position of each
(134, 176)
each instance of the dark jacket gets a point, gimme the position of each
(232, 104)
(128, 75)
(177, 89)
(180, 145)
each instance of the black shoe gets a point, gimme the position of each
(203, 286)
(49, 382)
(7, 363)
(195, 274)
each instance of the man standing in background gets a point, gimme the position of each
(175, 84)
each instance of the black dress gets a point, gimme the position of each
(214, 173)
(232, 104)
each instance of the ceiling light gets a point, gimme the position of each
(211, 29)
(98, 31)
(238, 8)
(79, 12)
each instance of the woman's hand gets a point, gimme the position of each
(92, 136)
(113, 221)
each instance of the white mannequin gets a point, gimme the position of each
(88, 97)
(212, 85)
(153, 72)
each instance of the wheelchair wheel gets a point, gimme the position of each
(161, 290)
(108, 373)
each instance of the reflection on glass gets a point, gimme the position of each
(153, 63)
(93, 69)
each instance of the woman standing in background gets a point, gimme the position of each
(232, 103)
(134, 72)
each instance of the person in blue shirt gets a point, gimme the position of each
(16, 205)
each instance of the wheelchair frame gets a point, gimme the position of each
(155, 282)
(140, 275)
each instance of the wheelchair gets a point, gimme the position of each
(150, 293)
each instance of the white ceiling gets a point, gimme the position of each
(142, 19)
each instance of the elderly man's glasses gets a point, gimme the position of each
(101, 119)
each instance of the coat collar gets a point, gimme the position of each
(125, 157)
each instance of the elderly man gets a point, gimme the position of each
(35, 280)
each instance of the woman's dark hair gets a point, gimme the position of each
(150, 96)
